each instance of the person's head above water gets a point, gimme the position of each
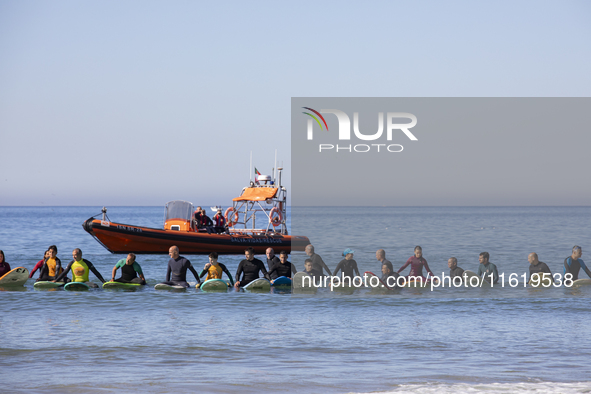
(308, 265)
(270, 253)
(348, 253)
(387, 268)
(483, 258)
(283, 257)
(577, 252)
(532, 258)
(249, 254)
(418, 252)
(130, 259)
(2, 256)
(380, 254)
(213, 258)
(310, 250)
(77, 254)
(173, 252)
(452, 263)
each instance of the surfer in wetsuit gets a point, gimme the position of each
(52, 266)
(130, 269)
(486, 268)
(389, 277)
(271, 261)
(537, 267)
(282, 267)
(574, 263)
(176, 274)
(39, 264)
(347, 265)
(454, 270)
(214, 269)
(80, 268)
(317, 263)
(309, 269)
(249, 269)
(4, 266)
(416, 262)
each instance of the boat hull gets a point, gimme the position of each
(124, 238)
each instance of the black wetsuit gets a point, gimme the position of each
(279, 269)
(251, 270)
(44, 273)
(539, 268)
(392, 282)
(270, 264)
(574, 267)
(224, 269)
(129, 275)
(315, 274)
(347, 266)
(456, 272)
(176, 274)
(318, 264)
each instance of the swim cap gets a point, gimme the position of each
(347, 251)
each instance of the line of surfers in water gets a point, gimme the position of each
(50, 267)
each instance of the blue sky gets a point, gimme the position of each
(139, 103)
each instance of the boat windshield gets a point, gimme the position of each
(179, 210)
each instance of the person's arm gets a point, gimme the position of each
(194, 273)
(114, 272)
(585, 268)
(323, 265)
(64, 272)
(227, 273)
(293, 268)
(136, 266)
(238, 273)
(405, 265)
(168, 271)
(495, 274)
(58, 265)
(567, 262)
(355, 268)
(37, 267)
(264, 271)
(209, 222)
(339, 267)
(94, 271)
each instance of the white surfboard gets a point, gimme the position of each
(581, 282)
(260, 284)
(15, 277)
(538, 280)
(163, 286)
(302, 282)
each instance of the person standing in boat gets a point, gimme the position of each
(214, 269)
(176, 274)
(282, 267)
(130, 269)
(347, 266)
(4, 266)
(271, 261)
(52, 267)
(206, 222)
(416, 262)
(317, 263)
(249, 268)
(220, 222)
(197, 216)
(80, 269)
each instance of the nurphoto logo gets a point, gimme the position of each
(344, 131)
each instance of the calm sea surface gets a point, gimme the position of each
(499, 340)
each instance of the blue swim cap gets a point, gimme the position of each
(347, 251)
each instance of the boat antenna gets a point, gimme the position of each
(250, 169)
(275, 168)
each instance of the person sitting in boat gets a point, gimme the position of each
(214, 269)
(389, 277)
(574, 263)
(249, 268)
(309, 269)
(52, 267)
(130, 269)
(271, 261)
(317, 263)
(416, 262)
(176, 274)
(197, 216)
(220, 222)
(282, 267)
(4, 266)
(39, 264)
(206, 222)
(347, 265)
(80, 269)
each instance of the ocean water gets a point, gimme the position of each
(468, 340)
